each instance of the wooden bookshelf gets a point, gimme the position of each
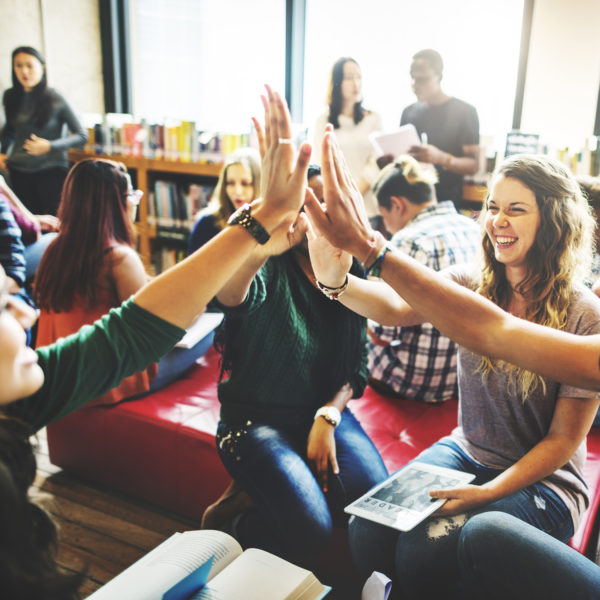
(147, 170)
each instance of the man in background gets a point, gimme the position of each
(448, 127)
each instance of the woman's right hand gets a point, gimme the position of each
(47, 222)
(283, 176)
(343, 220)
(330, 264)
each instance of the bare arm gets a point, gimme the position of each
(464, 165)
(180, 294)
(571, 422)
(457, 312)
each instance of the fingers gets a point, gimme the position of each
(328, 169)
(267, 130)
(316, 213)
(322, 466)
(302, 162)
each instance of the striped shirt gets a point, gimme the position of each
(418, 362)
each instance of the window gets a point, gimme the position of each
(479, 41)
(205, 60)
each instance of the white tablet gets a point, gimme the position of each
(402, 500)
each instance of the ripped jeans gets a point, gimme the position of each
(423, 563)
(293, 517)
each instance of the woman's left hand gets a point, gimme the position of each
(36, 145)
(321, 450)
(461, 499)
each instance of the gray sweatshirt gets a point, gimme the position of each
(19, 128)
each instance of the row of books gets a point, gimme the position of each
(173, 207)
(164, 257)
(178, 141)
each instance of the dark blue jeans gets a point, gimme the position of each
(293, 517)
(422, 562)
(501, 557)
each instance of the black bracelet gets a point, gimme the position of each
(242, 216)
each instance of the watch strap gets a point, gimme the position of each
(243, 217)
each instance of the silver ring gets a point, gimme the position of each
(285, 140)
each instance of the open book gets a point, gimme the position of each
(402, 501)
(210, 565)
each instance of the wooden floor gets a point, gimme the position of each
(98, 528)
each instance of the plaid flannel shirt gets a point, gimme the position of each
(418, 362)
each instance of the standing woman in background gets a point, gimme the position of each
(352, 124)
(36, 116)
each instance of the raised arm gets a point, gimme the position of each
(457, 312)
(179, 294)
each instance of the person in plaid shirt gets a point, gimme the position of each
(418, 362)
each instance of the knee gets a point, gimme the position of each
(308, 535)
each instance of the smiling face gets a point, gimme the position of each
(28, 70)
(239, 185)
(20, 374)
(512, 220)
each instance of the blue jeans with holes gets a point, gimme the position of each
(422, 562)
(293, 518)
(501, 557)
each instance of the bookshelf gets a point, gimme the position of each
(146, 171)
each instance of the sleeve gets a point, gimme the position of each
(8, 132)
(12, 251)
(95, 359)
(470, 128)
(204, 230)
(78, 135)
(583, 320)
(358, 382)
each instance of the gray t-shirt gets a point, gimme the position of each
(497, 428)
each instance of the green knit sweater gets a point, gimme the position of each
(88, 363)
(292, 346)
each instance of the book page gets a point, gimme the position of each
(199, 329)
(397, 142)
(259, 575)
(159, 570)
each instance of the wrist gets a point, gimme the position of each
(446, 161)
(330, 414)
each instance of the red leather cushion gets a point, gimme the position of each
(162, 448)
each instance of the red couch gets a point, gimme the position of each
(161, 448)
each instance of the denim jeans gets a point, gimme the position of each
(293, 517)
(422, 562)
(501, 557)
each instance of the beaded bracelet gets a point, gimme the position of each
(333, 293)
(374, 270)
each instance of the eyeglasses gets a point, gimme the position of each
(134, 196)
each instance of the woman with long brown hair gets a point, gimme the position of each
(523, 436)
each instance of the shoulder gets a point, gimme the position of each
(122, 256)
(584, 312)
(373, 119)
(460, 106)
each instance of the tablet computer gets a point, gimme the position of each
(402, 501)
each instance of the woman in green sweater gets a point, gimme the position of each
(293, 360)
(40, 386)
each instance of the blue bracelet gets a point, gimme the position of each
(374, 270)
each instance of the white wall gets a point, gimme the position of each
(563, 71)
(67, 33)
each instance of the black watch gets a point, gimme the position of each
(242, 216)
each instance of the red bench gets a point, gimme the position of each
(161, 448)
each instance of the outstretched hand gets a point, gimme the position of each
(343, 220)
(283, 175)
(330, 264)
(461, 499)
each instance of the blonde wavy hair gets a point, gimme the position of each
(560, 256)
